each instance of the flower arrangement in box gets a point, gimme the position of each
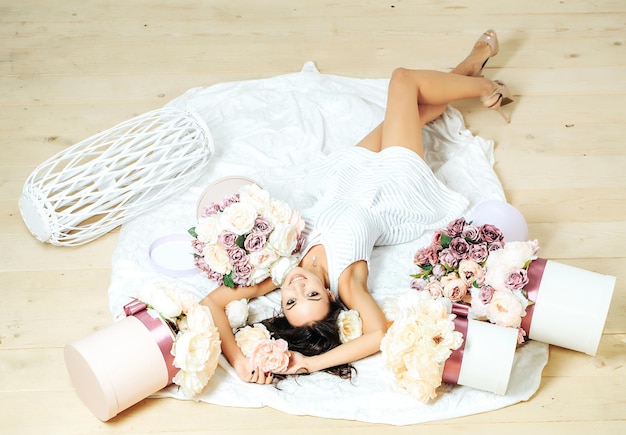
(246, 238)
(196, 347)
(472, 265)
(420, 339)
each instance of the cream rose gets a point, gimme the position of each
(468, 271)
(217, 259)
(208, 229)
(281, 267)
(248, 337)
(284, 239)
(505, 309)
(238, 218)
(237, 313)
(350, 325)
(455, 289)
(255, 196)
(278, 212)
(163, 298)
(422, 377)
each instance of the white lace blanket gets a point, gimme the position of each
(269, 130)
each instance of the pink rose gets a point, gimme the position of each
(210, 209)
(471, 233)
(227, 240)
(459, 247)
(455, 228)
(516, 280)
(455, 289)
(490, 233)
(271, 356)
(435, 289)
(418, 284)
(485, 294)
(446, 256)
(197, 246)
(229, 200)
(262, 226)
(425, 256)
(478, 252)
(255, 242)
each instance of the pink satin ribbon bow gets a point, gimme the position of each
(159, 330)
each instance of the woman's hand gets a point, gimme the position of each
(298, 364)
(247, 373)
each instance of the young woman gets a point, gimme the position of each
(378, 193)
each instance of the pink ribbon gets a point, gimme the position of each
(535, 273)
(159, 330)
(452, 367)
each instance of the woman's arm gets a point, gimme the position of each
(355, 295)
(217, 301)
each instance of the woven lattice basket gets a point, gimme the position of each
(96, 185)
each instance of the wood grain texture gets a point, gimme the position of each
(71, 68)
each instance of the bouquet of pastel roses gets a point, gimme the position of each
(246, 238)
(473, 265)
(196, 346)
(419, 342)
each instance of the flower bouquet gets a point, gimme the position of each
(427, 344)
(166, 337)
(508, 285)
(246, 238)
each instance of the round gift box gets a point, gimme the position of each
(485, 359)
(570, 305)
(120, 365)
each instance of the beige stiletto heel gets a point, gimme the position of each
(491, 38)
(501, 96)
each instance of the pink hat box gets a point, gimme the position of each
(217, 190)
(122, 364)
(485, 359)
(570, 305)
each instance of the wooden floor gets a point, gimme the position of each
(71, 68)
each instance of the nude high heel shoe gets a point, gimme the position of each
(500, 96)
(491, 38)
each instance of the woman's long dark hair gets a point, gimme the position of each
(313, 339)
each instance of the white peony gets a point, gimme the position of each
(503, 261)
(505, 309)
(163, 297)
(199, 319)
(191, 350)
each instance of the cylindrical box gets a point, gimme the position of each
(485, 359)
(122, 364)
(570, 305)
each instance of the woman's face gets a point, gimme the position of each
(304, 298)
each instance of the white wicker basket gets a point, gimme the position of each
(96, 185)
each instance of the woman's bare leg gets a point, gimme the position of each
(470, 66)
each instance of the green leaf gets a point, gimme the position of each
(192, 232)
(240, 240)
(228, 280)
(445, 240)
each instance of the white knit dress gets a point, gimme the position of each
(367, 199)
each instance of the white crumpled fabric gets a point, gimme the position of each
(270, 130)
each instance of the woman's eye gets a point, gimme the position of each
(289, 302)
(313, 294)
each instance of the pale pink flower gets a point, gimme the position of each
(271, 356)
